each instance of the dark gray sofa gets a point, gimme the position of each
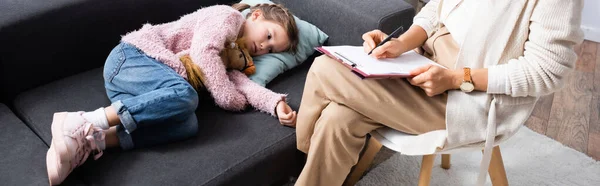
(51, 58)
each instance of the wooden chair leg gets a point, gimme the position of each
(496, 170)
(445, 161)
(372, 148)
(426, 166)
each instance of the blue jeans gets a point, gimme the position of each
(154, 103)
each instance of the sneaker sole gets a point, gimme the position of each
(58, 137)
(52, 166)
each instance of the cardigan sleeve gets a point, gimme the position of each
(210, 35)
(427, 18)
(548, 56)
(259, 97)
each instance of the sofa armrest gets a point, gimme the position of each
(346, 21)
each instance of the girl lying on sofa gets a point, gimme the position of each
(147, 83)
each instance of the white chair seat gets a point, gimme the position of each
(410, 144)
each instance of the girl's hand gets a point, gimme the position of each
(285, 114)
(391, 49)
(435, 80)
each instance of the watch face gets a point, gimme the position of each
(467, 87)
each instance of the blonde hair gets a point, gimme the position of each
(278, 14)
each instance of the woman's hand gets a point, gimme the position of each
(285, 114)
(391, 49)
(435, 80)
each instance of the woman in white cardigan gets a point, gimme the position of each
(514, 51)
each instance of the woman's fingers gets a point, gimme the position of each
(420, 76)
(379, 52)
(383, 51)
(419, 70)
(368, 43)
(417, 80)
(390, 49)
(371, 39)
(367, 47)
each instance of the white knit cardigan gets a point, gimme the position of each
(527, 46)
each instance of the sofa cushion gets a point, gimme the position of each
(230, 148)
(82, 92)
(23, 154)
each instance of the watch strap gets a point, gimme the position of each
(467, 76)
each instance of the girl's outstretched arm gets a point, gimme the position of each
(259, 97)
(210, 35)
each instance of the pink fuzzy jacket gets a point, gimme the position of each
(202, 35)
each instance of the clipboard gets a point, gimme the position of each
(365, 66)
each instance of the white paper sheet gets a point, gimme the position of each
(401, 65)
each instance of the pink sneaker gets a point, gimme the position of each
(73, 139)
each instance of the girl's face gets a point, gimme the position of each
(263, 36)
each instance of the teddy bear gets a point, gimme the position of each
(235, 56)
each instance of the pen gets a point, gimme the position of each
(398, 30)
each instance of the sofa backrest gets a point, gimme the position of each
(345, 21)
(42, 41)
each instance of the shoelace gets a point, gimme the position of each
(86, 144)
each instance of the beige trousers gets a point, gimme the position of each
(338, 110)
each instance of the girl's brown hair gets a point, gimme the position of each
(278, 14)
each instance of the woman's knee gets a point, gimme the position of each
(327, 71)
(336, 118)
(321, 66)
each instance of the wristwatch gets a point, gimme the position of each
(467, 84)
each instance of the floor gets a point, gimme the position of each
(572, 115)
